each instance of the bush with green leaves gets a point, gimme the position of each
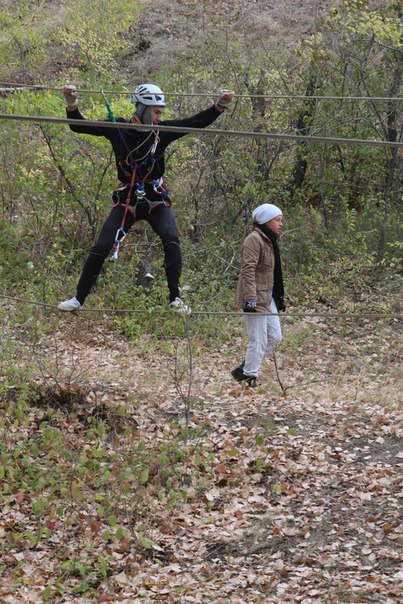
(340, 213)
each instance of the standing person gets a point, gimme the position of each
(141, 194)
(260, 290)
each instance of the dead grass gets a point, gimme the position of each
(171, 32)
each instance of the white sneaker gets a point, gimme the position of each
(178, 306)
(69, 305)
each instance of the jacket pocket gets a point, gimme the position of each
(263, 295)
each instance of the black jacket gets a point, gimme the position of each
(134, 149)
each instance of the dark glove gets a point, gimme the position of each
(250, 306)
(281, 305)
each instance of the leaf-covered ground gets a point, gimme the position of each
(128, 485)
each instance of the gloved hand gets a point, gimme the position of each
(281, 305)
(225, 99)
(70, 95)
(250, 306)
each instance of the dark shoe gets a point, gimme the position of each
(240, 377)
(238, 373)
(250, 381)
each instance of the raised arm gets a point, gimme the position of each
(202, 119)
(70, 95)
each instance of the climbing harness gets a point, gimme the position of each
(141, 197)
(136, 187)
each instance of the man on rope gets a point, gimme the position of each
(141, 194)
(260, 289)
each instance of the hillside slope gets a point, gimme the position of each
(170, 32)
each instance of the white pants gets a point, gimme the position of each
(264, 336)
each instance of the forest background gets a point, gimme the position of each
(101, 405)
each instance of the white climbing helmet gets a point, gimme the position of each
(148, 94)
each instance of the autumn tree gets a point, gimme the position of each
(357, 53)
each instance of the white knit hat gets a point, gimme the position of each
(265, 212)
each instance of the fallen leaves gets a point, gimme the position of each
(255, 497)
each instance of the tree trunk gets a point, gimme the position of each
(392, 158)
(302, 127)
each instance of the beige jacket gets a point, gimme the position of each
(257, 271)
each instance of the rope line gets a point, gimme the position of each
(215, 313)
(14, 86)
(205, 131)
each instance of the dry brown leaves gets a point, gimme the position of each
(299, 497)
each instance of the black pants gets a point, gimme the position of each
(163, 223)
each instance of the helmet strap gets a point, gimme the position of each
(144, 113)
(146, 117)
(140, 109)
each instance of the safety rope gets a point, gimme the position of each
(15, 86)
(120, 233)
(111, 115)
(207, 131)
(217, 312)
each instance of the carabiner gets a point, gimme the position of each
(113, 256)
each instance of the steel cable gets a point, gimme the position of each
(14, 86)
(212, 313)
(204, 131)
